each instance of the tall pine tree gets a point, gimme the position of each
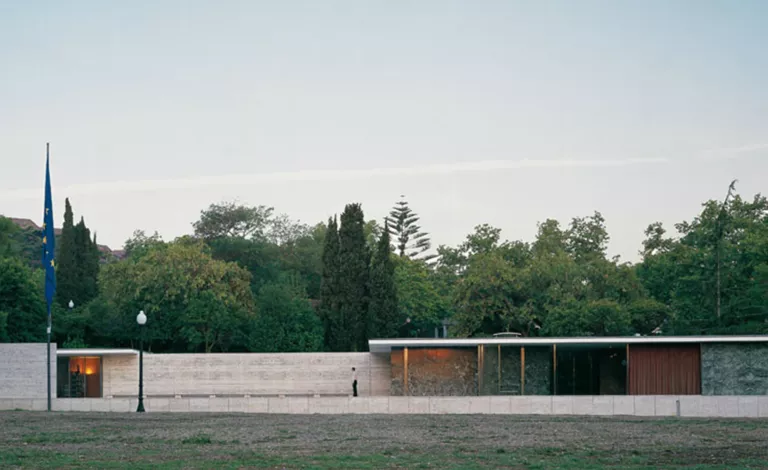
(382, 311)
(410, 241)
(354, 258)
(329, 288)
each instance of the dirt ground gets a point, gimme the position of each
(155, 440)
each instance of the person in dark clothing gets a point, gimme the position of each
(354, 382)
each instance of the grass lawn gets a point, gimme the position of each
(171, 441)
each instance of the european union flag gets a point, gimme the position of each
(49, 239)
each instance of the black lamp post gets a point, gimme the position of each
(141, 319)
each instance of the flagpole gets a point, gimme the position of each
(48, 362)
(48, 330)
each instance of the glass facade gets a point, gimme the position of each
(78, 377)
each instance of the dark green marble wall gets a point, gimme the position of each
(538, 370)
(734, 369)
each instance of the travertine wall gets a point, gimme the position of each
(23, 371)
(247, 374)
(600, 405)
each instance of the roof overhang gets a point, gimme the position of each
(96, 352)
(386, 345)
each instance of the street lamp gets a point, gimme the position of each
(71, 305)
(141, 319)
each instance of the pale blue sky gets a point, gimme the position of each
(500, 112)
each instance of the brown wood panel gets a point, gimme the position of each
(665, 370)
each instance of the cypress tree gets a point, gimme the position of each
(66, 263)
(77, 262)
(329, 287)
(87, 263)
(354, 258)
(382, 311)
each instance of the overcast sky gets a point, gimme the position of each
(505, 113)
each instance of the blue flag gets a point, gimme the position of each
(49, 240)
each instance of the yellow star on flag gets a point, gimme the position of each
(45, 240)
(52, 264)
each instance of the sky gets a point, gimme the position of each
(498, 112)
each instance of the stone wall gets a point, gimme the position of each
(434, 372)
(23, 371)
(734, 369)
(170, 375)
(602, 405)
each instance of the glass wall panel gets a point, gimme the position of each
(78, 377)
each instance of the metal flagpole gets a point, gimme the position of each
(49, 262)
(48, 363)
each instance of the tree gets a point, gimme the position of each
(140, 243)
(165, 282)
(655, 243)
(419, 299)
(283, 230)
(9, 246)
(67, 269)
(77, 267)
(410, 241)
(87, 264)
(382, 309)
(286, 321)
(596, 318)
(683, 274)
(330, 300)
(210, 322)
(587, 237)
(229, 219)
(354, 259)
(491, 299)
(22, 308)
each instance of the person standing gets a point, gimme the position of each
(354, 382)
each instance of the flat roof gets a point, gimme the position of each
(96, 352)
(386, 345)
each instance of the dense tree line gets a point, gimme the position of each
(249, 280)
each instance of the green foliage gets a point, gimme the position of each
(418, 296)
(140, 243)
(244, 282)
(164, 283)
(682, 273)
(87, 265)
(562, 284)
(209, 322)
(383, 308)
(9, 245)
(67, 270)
(22, 308)
(409, 240)
(354, 261)
(229, 219)
(285, 322)
(491, 297)
(329, 289)
(77, 262)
